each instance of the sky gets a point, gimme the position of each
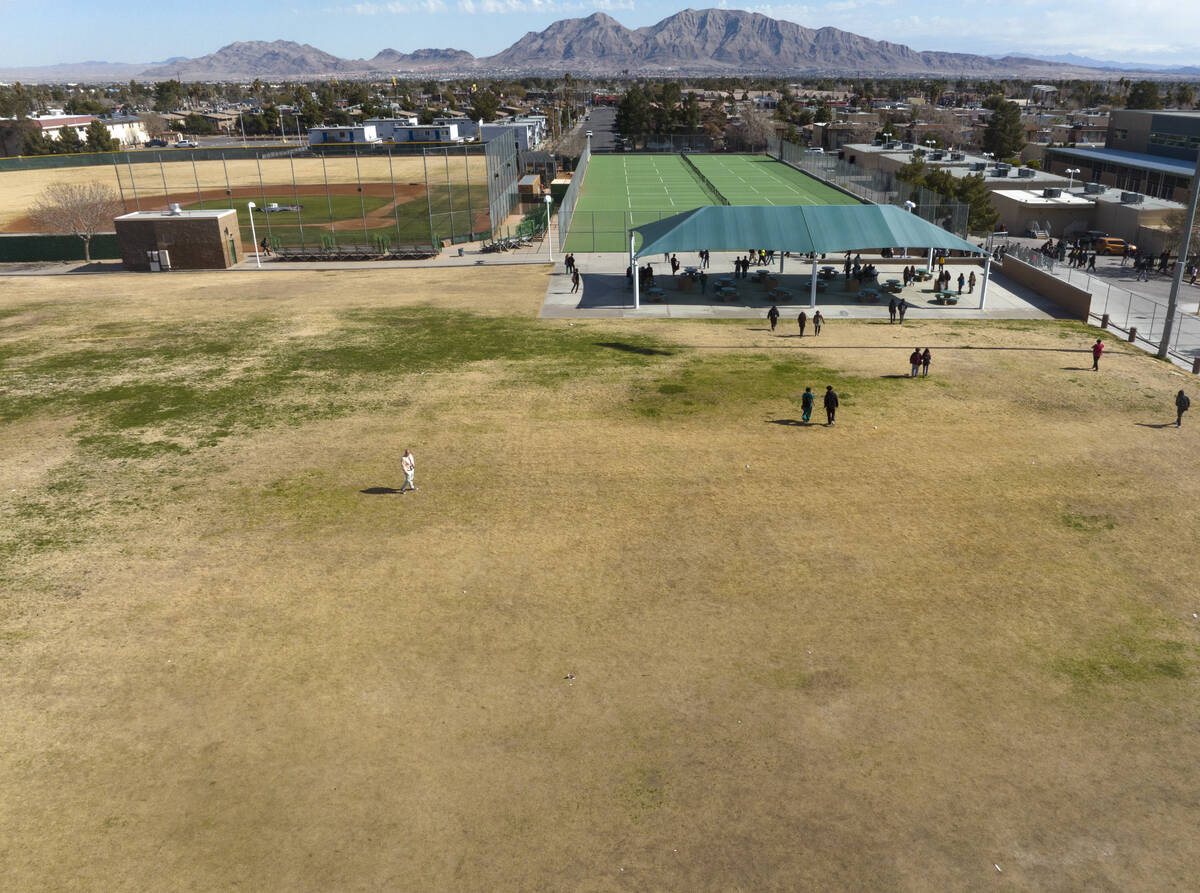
(32, 33)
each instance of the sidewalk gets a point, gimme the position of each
(604, 294)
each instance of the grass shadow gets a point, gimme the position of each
(379, 491)
(1148, 425)
(793, 423)
(635, 348)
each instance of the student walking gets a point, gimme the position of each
(962, 280)
(971, 283)
(408, 463)
(901, 309)
(674, 265)
(773, 316)
(1097, 350)
(891, 311)
(1182, 405)
(831, 403)
(818, 321)
(914, 360)
(802, 321)
(926, 359)
(574, 281)
(1091, 266)
(569, 263)
(807, 401)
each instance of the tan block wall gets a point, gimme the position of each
(1076, 301)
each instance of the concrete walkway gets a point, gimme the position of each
(604, 294)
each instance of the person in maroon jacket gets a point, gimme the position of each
(914, 360)
(1097, 349)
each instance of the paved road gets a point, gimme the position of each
(602, 122)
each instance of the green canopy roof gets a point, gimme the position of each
(801, 229)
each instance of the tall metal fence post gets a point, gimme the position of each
(296, 199)
(263, 190)
(428, 201)
(362, 201)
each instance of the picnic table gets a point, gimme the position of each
(726, 293)
(780, 294)
(821, 286)
(654, 293)
(924, 275)
(893, 285)
(828, 272)
(945, 297)
(868, 296)
(723, 282)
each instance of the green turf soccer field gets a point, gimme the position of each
(620, 191)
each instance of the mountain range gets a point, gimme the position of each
(691, 42)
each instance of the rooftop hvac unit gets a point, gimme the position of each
(906, 146)
(891, 144)
(1003, 166)
(1051, 192)
(937, 155)
(957, 156)
(1131, 198)
(876, 142)
(1026, 172)
(978, 166)
(1001, 171)
(1094, 188)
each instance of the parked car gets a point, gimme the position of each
(156, 144)
(186, 144)
(1112, 245)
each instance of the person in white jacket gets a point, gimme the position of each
(409, 464)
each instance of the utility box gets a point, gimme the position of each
(156, 241)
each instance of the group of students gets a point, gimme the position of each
(919, 360)
(802, 320)
(741, 265)
(831, 404)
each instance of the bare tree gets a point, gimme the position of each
(754, 130)
(76, 209)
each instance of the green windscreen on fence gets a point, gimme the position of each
(15, 249)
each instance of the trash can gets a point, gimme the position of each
(460, 252)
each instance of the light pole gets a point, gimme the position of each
(1180, 263)
(1071, 172)
(250, 206)
(930, 144)
(549, 243)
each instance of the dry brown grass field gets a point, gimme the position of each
(638, 629)
(19, 189)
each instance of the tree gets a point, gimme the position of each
(168, 95)
(973, 192)
(633, 113)
(691, 114)
(78, 209)
(1143, 95)
(69, 142)
(99, 139)
(823, 114)
(1003, 136)
(753, 132)
(1185, 94)
(484, 105)
(1174, 221)
(82, 105)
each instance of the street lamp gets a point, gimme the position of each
(549, 243)
(250, 206)
(931, 144)
(1071, 172)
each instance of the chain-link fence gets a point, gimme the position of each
(305, 200)
(874, 186)
(503, 170)
(671, 142)
(1127, 311)
(566, 208)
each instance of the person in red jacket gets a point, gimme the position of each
(1097, 349)
(914, 360)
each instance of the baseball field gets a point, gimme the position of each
(638, 628)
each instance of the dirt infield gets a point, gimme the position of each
(19, 189)
(640, 628)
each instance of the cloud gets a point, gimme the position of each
(418, 6)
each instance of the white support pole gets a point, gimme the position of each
(636, 278)
(929, 263)
(987, 267)
(780, 263)
(812, 285)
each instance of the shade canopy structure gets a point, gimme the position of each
(800, 229)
